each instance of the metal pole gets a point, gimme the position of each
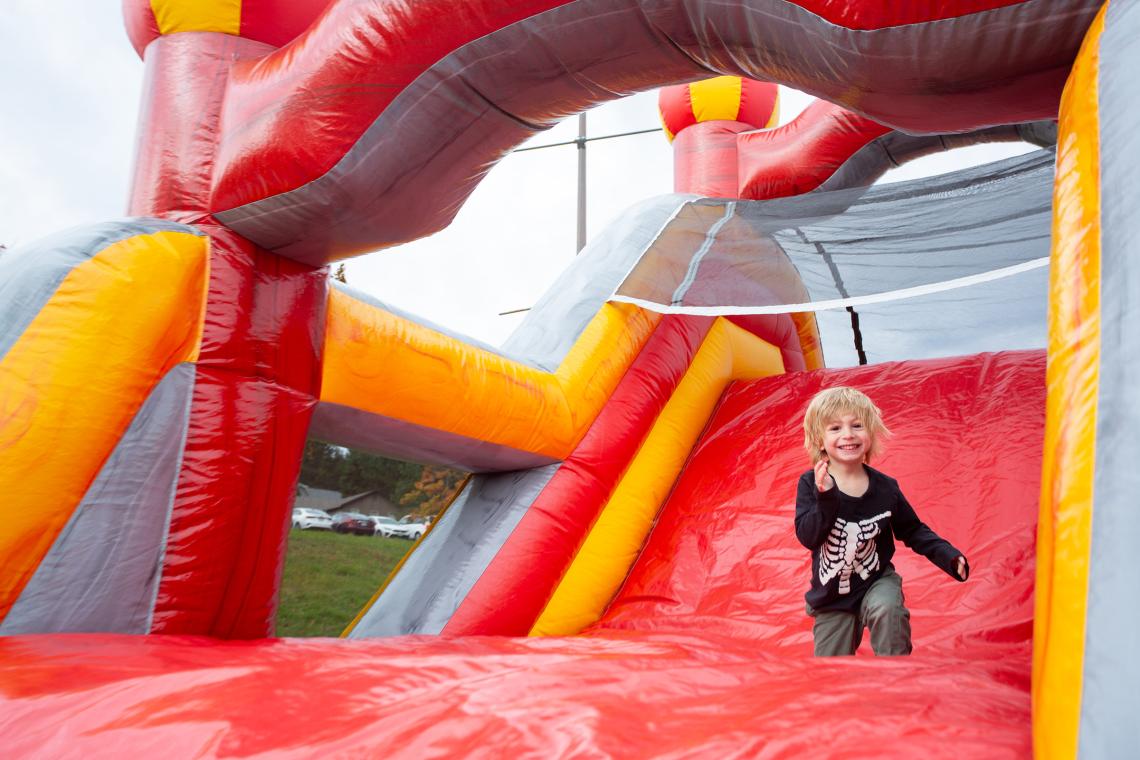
(581, 181)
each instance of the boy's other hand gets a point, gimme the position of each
(962, 568)
(823, 479)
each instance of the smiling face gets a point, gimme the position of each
(841, 423)
(846, 439)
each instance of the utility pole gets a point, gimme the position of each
(581, 141)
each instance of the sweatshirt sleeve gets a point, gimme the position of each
(815, 512)
(922, 540)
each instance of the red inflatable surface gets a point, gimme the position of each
(706, 652)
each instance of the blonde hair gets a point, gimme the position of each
(830, 404)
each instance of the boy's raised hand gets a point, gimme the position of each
(823, 479)
(962, 568)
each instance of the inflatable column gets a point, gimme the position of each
(702, 120)
(258, 372)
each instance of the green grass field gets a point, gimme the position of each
(329, 577)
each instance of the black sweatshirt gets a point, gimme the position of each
(851, 542)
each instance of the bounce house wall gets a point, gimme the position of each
(1085, 663)
(100, 330)
(370, 129)
(257, 382)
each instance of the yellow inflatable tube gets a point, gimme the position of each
(1064, 532)
(727, 353)
(380, 363)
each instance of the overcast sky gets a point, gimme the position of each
(70, 84)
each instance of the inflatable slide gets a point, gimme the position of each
(620, 576)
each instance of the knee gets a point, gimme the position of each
(882, 609)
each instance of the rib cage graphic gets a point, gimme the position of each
(850, 547)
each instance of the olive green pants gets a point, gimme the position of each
(882, 611)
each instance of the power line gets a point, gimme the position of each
(581, 140)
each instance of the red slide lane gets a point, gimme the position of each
(966, 450)
(706, 652)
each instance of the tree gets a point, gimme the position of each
(432, 491)
(368, 472)
(422, 490)
(322, 465)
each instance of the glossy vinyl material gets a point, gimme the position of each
(257, 381)
(515, 587)
(178, 123)
(705, 159)
(274, 22)
(716, 664)
(830, 148)
(893, 149)
(877, 14)
(1073, 430)
(724, 550)
(374, 126)
(392, 367)
(781, 331)
(727, 353)
(753, 103)
(73, 377)
(799, 156)
(1111, 667)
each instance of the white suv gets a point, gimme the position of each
(306, 518)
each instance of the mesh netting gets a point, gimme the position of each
(942, 266)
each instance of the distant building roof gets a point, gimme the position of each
(323, 493)
(371, 502)
(316, 498)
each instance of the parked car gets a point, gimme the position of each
(353, 522)
(385, 526)
(410, 527)
(305, 518)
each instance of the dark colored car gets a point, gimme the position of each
(352, 522)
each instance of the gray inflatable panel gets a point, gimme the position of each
(438, 575)
(101, 574)
(1108, 726)
(30, 274)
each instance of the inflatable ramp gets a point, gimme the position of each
(705, 651)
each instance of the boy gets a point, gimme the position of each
(846, 513)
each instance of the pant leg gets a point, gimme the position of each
(836, 633)
(885, 614)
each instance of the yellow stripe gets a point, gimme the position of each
(383, 364)
(609, 551)
(774, 119)
(716, 99)
(197, 16)
(665, 127)
(807, 330)
(1065, 524)
(74, 379)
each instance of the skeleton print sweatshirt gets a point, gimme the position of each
(851, 538)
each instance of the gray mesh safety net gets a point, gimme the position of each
(943, 266)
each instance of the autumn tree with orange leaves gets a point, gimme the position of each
(432, 491)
